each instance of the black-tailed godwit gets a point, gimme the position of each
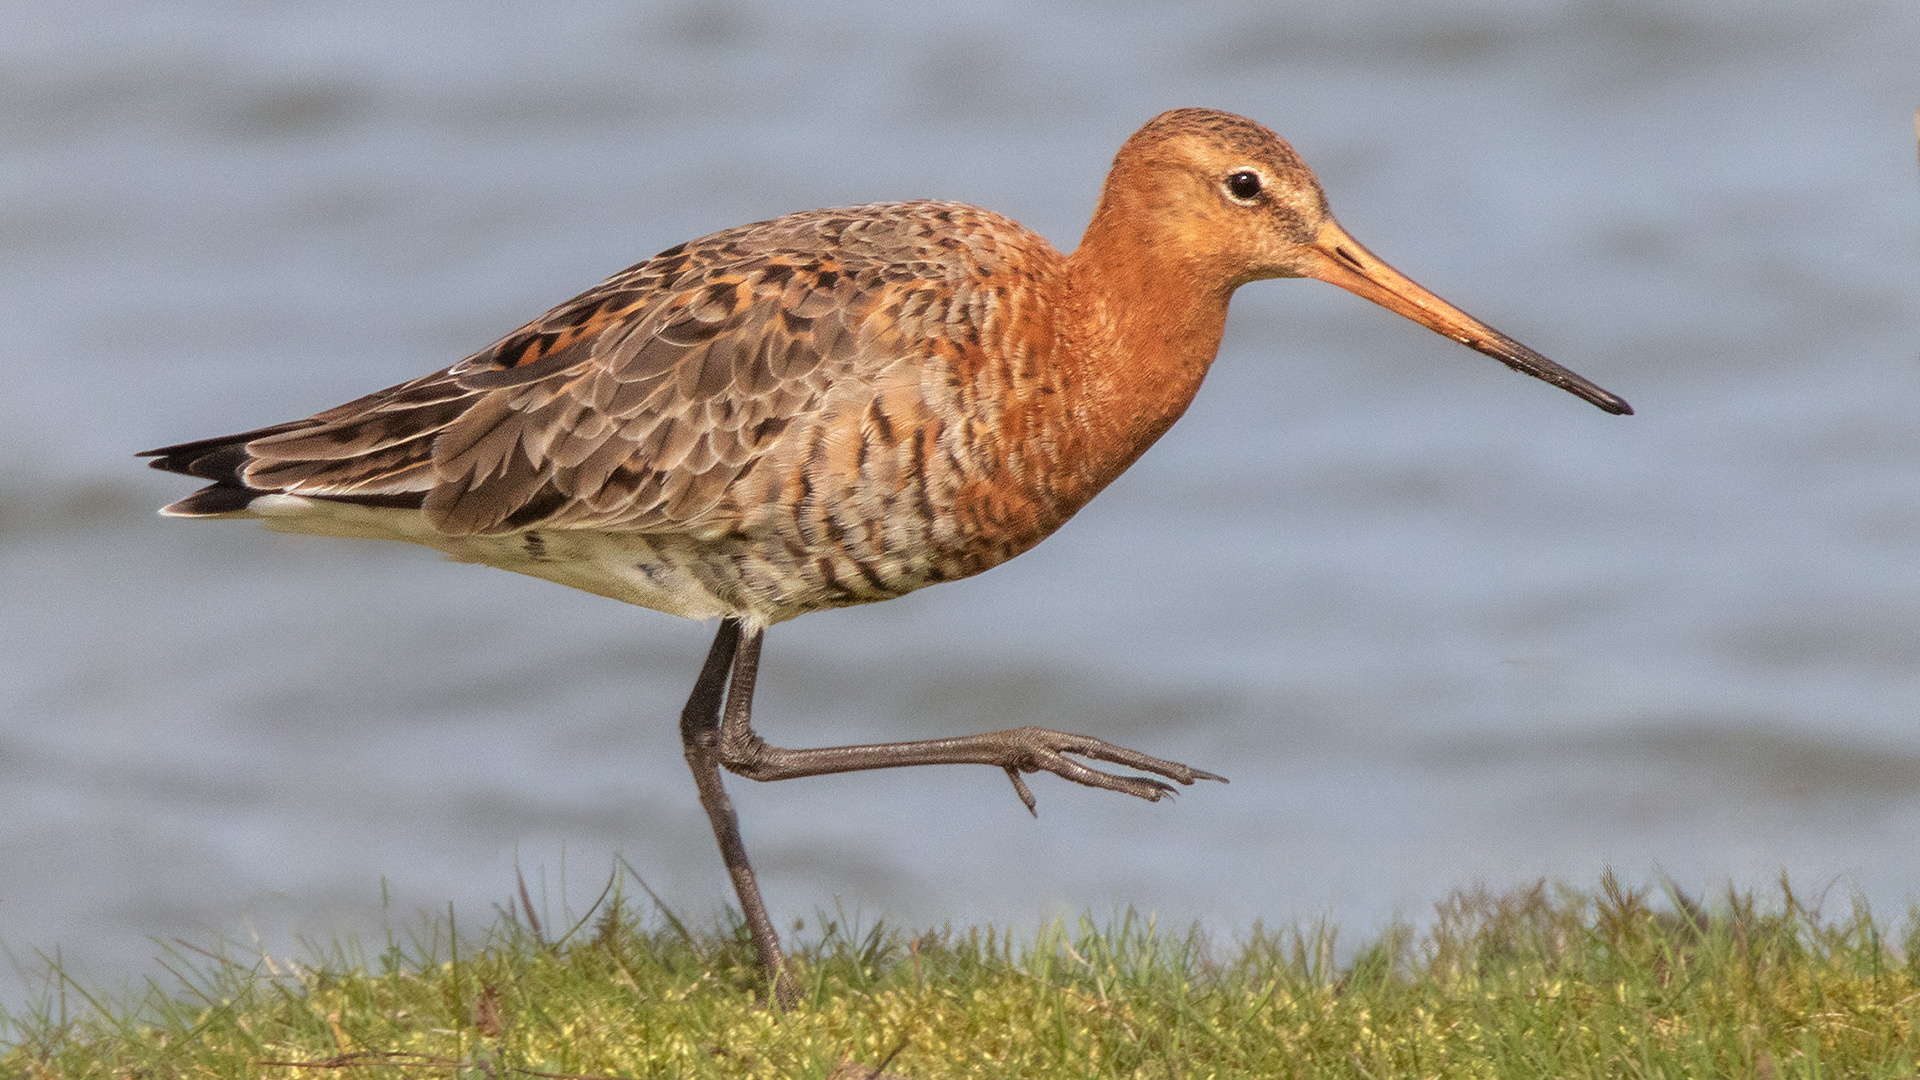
(831, 408)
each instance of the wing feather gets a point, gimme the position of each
(641, 403)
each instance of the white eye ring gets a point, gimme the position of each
(1243, 185)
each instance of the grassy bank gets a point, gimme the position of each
(1541, 982)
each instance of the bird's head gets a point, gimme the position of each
(1225, 201)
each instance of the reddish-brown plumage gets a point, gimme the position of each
(831, 408)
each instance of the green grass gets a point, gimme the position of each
(1547, 981)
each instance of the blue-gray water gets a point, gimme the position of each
(1439, 623)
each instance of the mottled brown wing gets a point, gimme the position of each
(633, 406)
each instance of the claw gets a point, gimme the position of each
(1020, 787)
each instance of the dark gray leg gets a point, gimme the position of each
(1019, 750)
(714, 739)
(700, 735)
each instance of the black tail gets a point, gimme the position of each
(219, 460)
(224, 461)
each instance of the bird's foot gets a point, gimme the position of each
(1033, 749)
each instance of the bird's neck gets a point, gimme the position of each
(1146, 327)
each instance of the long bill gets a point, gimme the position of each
(1345, 263)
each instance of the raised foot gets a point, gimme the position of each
(1032, 749)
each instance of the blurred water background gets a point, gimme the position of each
(1440, 624)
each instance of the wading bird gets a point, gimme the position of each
(826, 409)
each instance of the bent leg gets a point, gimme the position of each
(1017, 750)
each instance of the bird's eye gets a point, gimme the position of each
(1243, 185)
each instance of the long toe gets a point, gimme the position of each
(1044, 748)
(1140, 786)
(1087, 746)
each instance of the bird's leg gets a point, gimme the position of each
(700, 735)
(1018, 750)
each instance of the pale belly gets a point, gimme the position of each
(759, 580)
